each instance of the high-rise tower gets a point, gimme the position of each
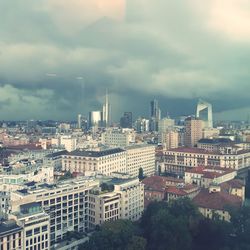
(155, 115)
(106, 111)
(204, 112)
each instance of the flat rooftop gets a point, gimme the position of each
(8, 227)
(95, 153)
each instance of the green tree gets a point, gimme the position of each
(115, 235)
(141, 175)
(66, 176)
(240, 220)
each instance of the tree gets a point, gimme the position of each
(140, 175)
(115, 235)
(66, 176)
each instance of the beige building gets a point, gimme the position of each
(126, 201)
(140, 156)
(169, 139)
(104, 162)
(179, 159)
(65, 202)
(165, 124)
(193, 131)
(35, 224)
(213, 202)
(116, 138)
(11, 235)
(203, 177)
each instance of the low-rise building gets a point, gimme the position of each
(214, 202)
(203, 177)
(181, 191)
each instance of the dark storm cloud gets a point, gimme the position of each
(56, 59)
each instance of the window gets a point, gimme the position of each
(37, 230)
(28, 233)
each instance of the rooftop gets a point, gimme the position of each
(217, 200)
(8, 227)
(95, 153)
(159, 183)
(59, 153)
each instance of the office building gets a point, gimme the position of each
(106, 111)
(115, 138)
(105, 162)
(66, 203)
(176, 161)
(95, 119)
(193, 131)
(126, 121)
(140, 156)
(155, 115)
(205, 113)
(142, 125)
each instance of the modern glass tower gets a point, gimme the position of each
(204, 112)
(106, 111)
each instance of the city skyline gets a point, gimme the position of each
(60, 58)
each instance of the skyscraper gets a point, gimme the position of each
(79, 121)
(155, 115)
(95, 119)
(106, 113)
(126, 120)
(205, 113)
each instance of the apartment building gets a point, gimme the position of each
(125, 201)
(140, 156)
(66, 203)
(11, 235)
(103, 206)
(178, 160)
(132, 198)
(115, 138)
(169, 139)
(104, 162)
(36, 226)
(13, 180)
(193, 131)
(213, 202)
(203, 177)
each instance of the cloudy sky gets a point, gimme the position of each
(57, 57)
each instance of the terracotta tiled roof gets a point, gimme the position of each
(159, 183)
(216, 200)
(235, 183)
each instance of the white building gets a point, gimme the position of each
(36, 226)
(126, 201)
(105, 162)
(140, 156)
(65, 202)
(115, 138)
(68, 142)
